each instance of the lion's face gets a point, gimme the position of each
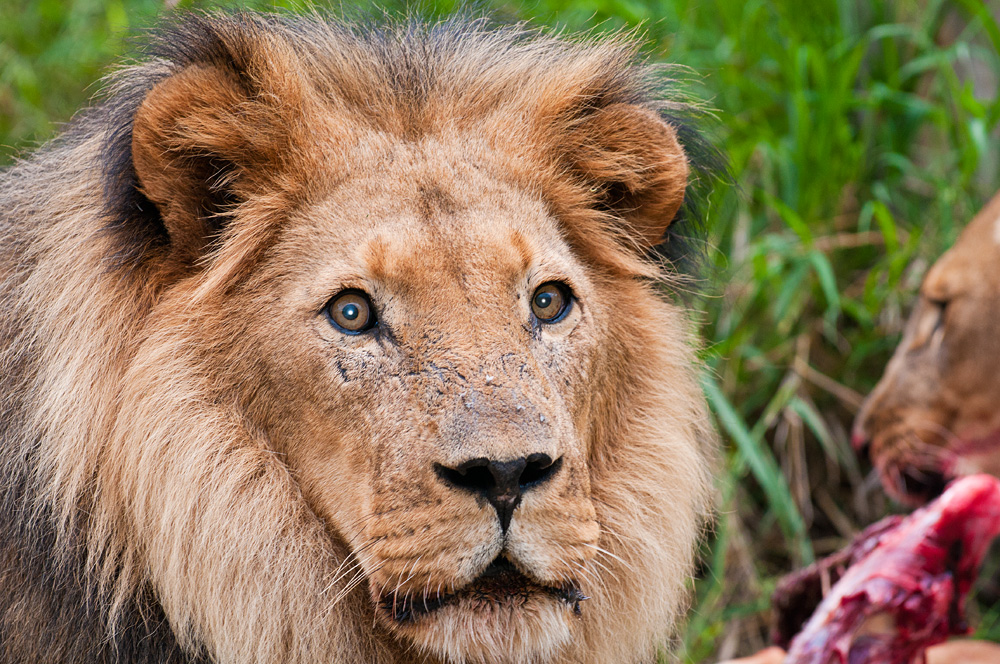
(934, 415)
(401, 433)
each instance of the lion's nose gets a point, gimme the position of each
(501, 482)
(860, 440)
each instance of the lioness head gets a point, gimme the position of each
(936, 412)
(394, 379)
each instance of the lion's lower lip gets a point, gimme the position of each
(500, 582)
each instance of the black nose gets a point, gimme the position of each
(501, 482)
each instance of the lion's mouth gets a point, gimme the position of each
(911, 484)
(500, 584)
(923, 485)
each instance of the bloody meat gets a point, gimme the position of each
(899, 588)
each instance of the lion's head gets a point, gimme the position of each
(366, 359)
(936, 412)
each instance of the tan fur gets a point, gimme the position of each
(936, 412)
(200, 433)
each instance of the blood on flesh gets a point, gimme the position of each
(899, 588)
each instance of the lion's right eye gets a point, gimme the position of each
(929, 323)
(550, 302)
(351, 312)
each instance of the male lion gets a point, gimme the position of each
(936, 412)
(324, 344)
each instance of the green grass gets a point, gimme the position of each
(860, 147)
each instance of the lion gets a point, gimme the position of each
(348, 344)
(935, 413)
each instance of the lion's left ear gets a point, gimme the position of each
(635, 167)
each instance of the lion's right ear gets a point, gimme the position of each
(214, 133)
(183, 151)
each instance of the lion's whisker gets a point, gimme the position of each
(607, 553)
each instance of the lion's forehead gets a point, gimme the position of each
(433, 229)
(469, 257)
(968, 267)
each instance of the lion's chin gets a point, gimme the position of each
(502, 616)
(469, 631)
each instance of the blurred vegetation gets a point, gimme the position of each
(863, 135)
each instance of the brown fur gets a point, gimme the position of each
(936, 412)
(198, 465)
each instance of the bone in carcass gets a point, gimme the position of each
(902, 583)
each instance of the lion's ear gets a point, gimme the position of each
(635, 166)
(185, 154)
(208, 136)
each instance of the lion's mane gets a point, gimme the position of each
(145, 519)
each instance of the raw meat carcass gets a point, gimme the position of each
(898, 588)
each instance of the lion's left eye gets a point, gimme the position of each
(551, 302)
(351, 312)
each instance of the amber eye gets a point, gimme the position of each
(550, 302)
(351, 312)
